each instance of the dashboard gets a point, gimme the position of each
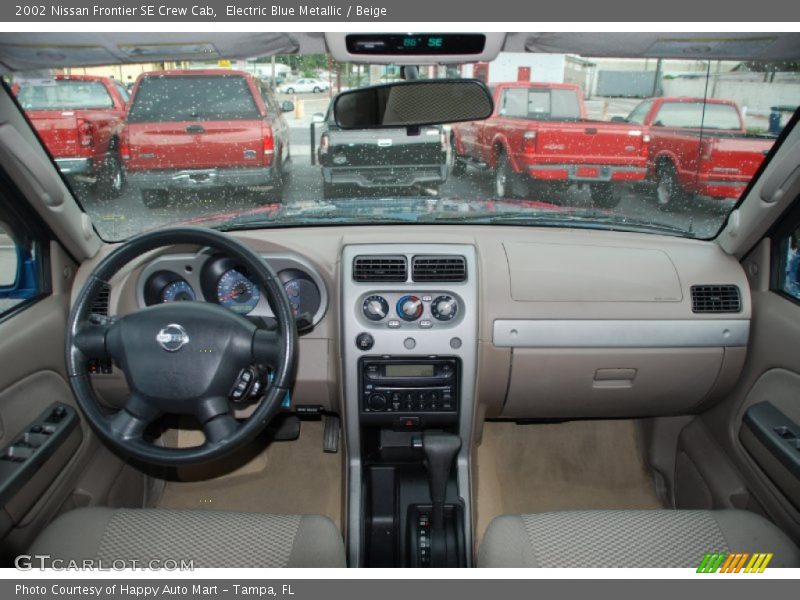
(423, 327)
(212, 277)
(547, 323)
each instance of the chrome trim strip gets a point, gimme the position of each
(620, 333)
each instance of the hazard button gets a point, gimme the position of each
(406, 423)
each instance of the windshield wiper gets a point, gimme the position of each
(581, 219)
(300, 219)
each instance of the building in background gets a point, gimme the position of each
(519, 66)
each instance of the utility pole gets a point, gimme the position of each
(715, 80)
(657, 78)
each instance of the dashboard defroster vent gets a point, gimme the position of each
(380, 268)
(442, 268)
(716, 299)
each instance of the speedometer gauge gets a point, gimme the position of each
(177, 291)
(236, 292)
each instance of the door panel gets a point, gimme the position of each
(771, 374)
(770, 431)
(32, 379)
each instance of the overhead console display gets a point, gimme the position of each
(383, 44)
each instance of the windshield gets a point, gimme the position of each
(63, 95)
(699, 115)
(659, 146)
(163, 98)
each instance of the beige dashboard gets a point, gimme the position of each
(571, 323)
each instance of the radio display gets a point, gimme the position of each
(408, 371)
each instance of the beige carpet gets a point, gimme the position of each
(575, 465)
(283, 477)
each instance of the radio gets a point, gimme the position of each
(409, 385)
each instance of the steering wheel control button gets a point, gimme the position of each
(444, 308)
(409, 308)
(375, 308)
(172, 338)
(364, 341)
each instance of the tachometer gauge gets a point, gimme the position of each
(236, 292)
(177, 291)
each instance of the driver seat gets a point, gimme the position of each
(209, 538)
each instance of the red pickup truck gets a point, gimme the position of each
(79, 118)
(698, 146)
(204, 129)
(539, 132)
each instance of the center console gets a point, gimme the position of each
(409, 352)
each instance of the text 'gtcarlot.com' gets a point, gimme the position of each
(27, 562)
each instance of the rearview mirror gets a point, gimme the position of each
(413, 104)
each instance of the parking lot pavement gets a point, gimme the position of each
(126, 216)
(306, 105)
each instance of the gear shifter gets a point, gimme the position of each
(440, 450)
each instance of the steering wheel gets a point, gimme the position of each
(181, 358)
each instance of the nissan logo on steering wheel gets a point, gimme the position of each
(172, 338)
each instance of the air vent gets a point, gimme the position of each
(439, 268)
(100, 303)
(380, 268)
(716, 299)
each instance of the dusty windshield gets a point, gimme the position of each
(650, 145)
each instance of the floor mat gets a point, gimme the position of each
(574, 465)
(285, 477)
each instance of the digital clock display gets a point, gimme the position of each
(411, 44)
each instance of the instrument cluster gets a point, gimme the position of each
(221, 280)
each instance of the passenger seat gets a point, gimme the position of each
(630, 538)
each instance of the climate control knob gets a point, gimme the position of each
(409, 308)
(444, 308)
(377, 401)
(375, 308)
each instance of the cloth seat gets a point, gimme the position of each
(630, 538)
(207, 537)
